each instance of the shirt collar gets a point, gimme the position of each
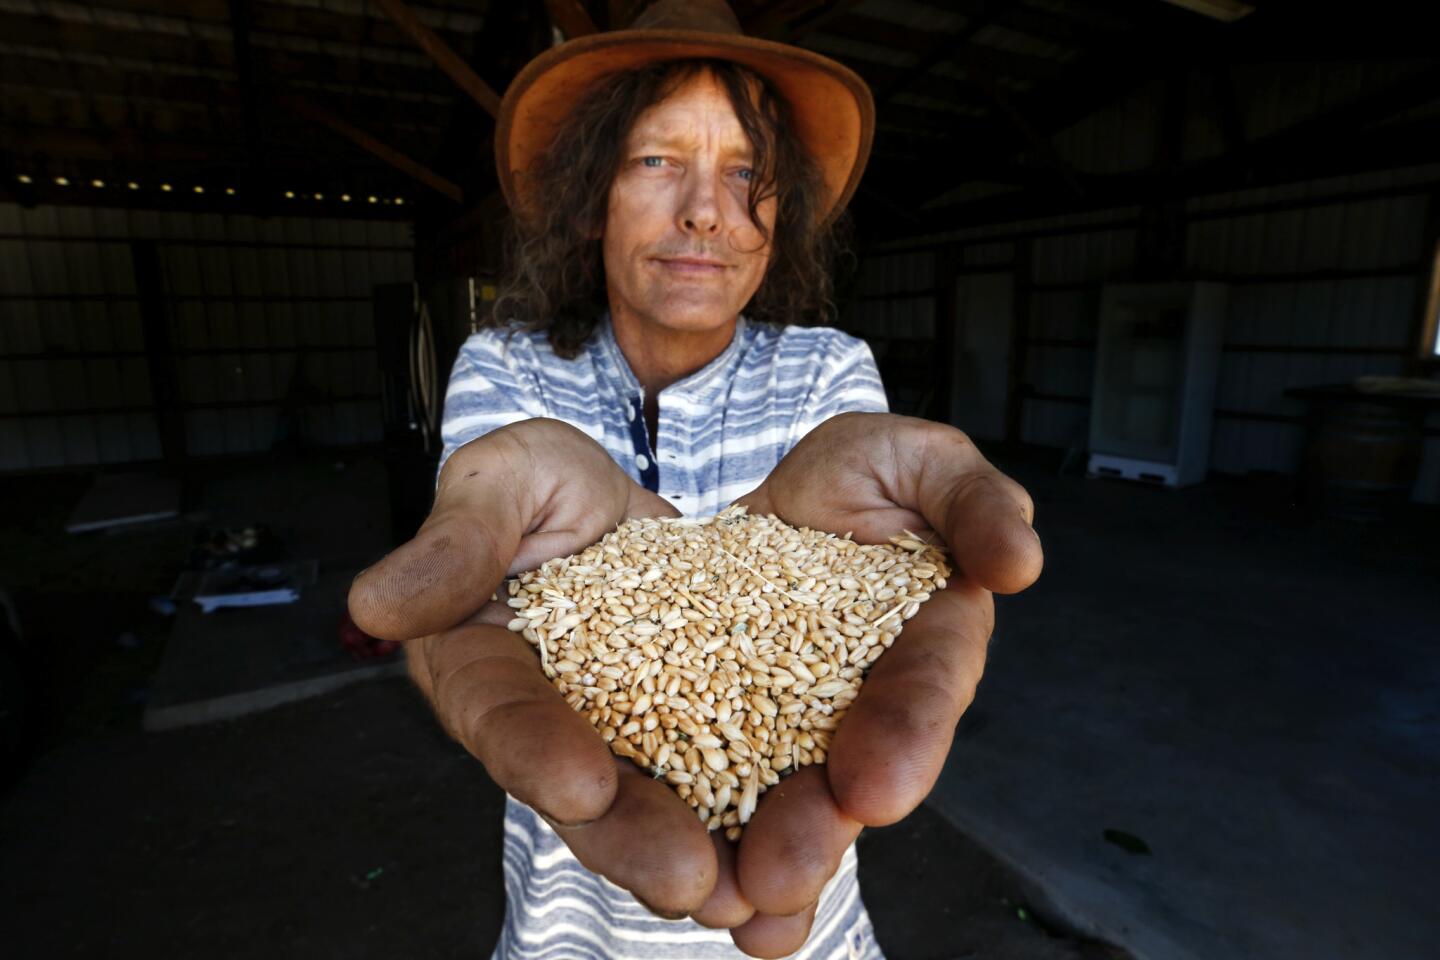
(700, 385)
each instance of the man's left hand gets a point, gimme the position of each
(877, 476)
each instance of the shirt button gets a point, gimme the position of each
(642, 461)
(630, 409)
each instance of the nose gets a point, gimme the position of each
(700, 206)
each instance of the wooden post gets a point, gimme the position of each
(1019, 343)
(1427, 294)
(946, 318)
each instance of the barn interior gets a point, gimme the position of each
(1174, 265)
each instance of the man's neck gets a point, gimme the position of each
(659, 357)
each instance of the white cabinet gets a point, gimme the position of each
(1156, 362)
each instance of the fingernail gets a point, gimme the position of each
(557, 824)
(662, 914)
(812, 905)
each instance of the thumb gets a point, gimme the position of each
(454, 563)
(985, 520)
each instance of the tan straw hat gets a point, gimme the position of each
(833, 111)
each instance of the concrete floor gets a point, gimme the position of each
(1250, 694)
(1247, 693)
(348, 827)
(232, 662)
(343, 826)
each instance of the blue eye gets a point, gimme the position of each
(747, 174)
(653, 161)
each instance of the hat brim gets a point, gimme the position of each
(833, 110)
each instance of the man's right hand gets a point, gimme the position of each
(507, 502)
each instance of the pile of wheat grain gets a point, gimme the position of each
(719, 654)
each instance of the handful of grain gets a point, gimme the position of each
(720, 654)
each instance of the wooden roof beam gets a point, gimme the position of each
(445, 58)
(570, 18)
(793, 22)
(621, 13)
(388, 154)
(772, 20)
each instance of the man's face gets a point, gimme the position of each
(681, 252)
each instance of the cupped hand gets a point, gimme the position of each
(507, 502)
(876, 476)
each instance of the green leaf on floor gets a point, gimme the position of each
(1127, 841)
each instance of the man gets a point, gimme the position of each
(665, 179)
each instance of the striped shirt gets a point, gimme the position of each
(720, 433)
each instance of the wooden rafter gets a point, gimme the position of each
(791, 23)
(620, 13)
(1226, 10)
(445, 57)
(370, 144)
(771, 20)
(570, 18)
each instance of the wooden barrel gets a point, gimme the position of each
(1363, 457)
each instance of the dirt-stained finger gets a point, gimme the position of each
(489, 693)
(888, 751)
(649, 843)
(766, 935)
(793, 845)
(726, 906)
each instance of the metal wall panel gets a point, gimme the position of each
(1324, 279)
(256, 309)
(1118, 139)
(1353, 269)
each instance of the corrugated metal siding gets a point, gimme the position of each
(895, 298)
(1305, 283)
(1066, 274)
(1324, 285)
(258, 311)
(1118, 139)
(894, 306)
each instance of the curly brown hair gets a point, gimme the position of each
(555, 276)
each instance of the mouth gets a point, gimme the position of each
(693, 266)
